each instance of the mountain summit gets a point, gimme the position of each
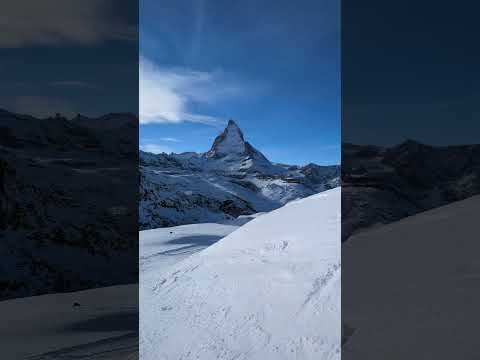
(230, 141)
(231, 144)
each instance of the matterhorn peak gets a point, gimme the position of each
(229, 142)
(232, 123)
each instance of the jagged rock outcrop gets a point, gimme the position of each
(232, 145)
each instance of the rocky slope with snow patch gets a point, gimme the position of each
(231, 179)
(270, 290)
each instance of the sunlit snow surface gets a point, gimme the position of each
(269, 290)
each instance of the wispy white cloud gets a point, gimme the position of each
(47, 22)
(167, 95)
(170, 139)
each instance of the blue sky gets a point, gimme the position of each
(272, 66)
(416, 78)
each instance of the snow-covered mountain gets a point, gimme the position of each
(385, 184)
(231, 179)
(66, 200)
(269, 290)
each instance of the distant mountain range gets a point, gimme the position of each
(66, 196)
(384, 184)
(68, 215)
(231, 179)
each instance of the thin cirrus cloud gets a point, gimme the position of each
(166, 95)
(169, 139)
(49, 22)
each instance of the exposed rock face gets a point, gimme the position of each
(231, 179)
(381, 185)
(66, 201)
(231, 144)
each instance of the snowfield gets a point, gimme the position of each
(269, 290)
(166, 246)
(161, 248)
(413, 287)
(103, 326)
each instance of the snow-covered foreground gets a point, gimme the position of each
(161, 248)
(413, 287)
(103, 326)
(269, 290)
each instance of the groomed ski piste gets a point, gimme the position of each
(270, 290)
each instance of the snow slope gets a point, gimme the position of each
(160, 248)
(412, 287)
(104, 326)
(269, 290)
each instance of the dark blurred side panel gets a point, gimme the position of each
(69, 179)
(410, 180)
